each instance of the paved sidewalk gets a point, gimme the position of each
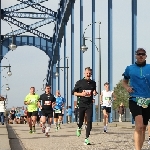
(117, 138)
(4, 140)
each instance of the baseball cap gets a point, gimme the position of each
(140, 49)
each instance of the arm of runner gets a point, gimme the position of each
(76, 89)
(94, 92)
(39, 102)
(125, 81)
(26, 101)
(54, 102)
(64, 101)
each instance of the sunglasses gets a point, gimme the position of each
(143, 54)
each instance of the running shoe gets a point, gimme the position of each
(30, 131)
(87, 142)
(78, 132)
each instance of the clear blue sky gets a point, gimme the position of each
(29, 64)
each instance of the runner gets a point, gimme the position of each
(46, 104)
(106, 98)
(85, 89)
(31, 100)
(60, 102)
(139, 89)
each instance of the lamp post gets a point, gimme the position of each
(9, 73)
(57, 74)
(7, 85)
(43, 85)
(84, 49)
(12, 46)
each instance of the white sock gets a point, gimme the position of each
(43, 125)
(56, 124)
(59, 122)
(48, 128)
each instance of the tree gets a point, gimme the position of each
(121, 96)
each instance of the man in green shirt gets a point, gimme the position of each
(31, 100)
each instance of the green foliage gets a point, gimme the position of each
(121, 96)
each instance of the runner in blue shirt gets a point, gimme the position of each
(139, 89)
(60, 101)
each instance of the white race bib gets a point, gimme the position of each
(144, 102)
(57, 111)
(88, 93)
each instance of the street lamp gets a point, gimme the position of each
(7, 85)
(12, 46)
(9, 73)
(43, 85)
(7, 88)
(84, 49)
(57, 75)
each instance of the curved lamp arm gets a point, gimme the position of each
(94, 44)
(9, 25)
(5, 58)
(90, 25)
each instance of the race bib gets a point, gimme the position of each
(47, 103)
(88, 93)
(108, 98)
(57, 111)
(32, 100)
(144, 102)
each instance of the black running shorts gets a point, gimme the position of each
(34, 113)
(47, 113)
(56, 115)
(138, 110)
(108, 109)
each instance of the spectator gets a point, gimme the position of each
(12, 114)
(25, 115)
(76, 113)
(18, 115)
(69, 114)
(121, 111)
(2, 109)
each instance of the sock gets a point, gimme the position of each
(33, 127)
(56, 124)
(43, 125)
(59, 122)
(104, 127)
(48, 128)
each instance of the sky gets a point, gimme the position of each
(29, 64)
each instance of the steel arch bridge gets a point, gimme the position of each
(51, 44)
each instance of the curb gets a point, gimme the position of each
(14, 141)
(119, 125)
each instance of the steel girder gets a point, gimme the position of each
(39, 7)
(63, 15)
(27, 28)
(42, 44)
(31, 15)
(21, 6)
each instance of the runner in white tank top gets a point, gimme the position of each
(106, 99)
